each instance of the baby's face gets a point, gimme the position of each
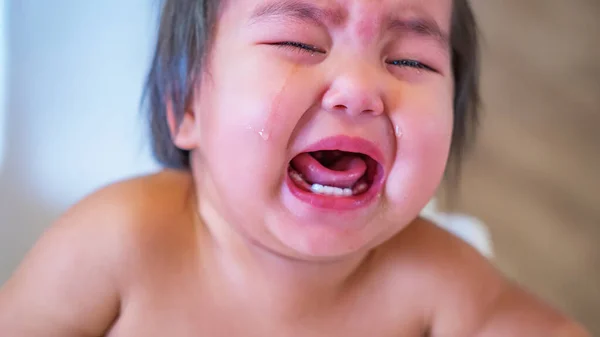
(324, 126)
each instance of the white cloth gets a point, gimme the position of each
(466, 227)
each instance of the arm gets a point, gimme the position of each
(66, 285)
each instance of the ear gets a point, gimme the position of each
(185, 134)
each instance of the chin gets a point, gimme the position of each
(327, 236)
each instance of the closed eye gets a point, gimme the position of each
(306, 48)
(301, 47)
(411, 64)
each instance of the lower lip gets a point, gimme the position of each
(327, 202)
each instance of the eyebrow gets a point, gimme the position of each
(421, 25)
(297, 9)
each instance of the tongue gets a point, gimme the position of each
(344, 173)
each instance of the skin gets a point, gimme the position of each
(215, 250)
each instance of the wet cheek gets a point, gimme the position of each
(250, 125)
(421, 156)
(255, 95)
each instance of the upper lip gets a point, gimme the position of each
(348, 144)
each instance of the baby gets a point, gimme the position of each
(300, 139)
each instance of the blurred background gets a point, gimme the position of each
(71, 74)
(534, 178)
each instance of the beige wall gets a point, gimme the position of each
(535, 177)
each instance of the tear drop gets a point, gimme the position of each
(264, 134)
(398, 131)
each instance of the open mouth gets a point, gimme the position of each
(335, 178)
(333, 172)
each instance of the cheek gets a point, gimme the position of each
(247, 114)
(422, 151)
(429, 146)
(251, 93)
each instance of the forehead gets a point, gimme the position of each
(346, 12)
(366, 19)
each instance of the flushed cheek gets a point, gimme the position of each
(421, 157)
(246, 130)
(243, 157)
(262, 98)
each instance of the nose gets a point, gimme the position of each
(355, 92)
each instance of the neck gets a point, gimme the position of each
(265, 279)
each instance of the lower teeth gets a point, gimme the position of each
(331, 190)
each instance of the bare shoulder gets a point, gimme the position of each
(134, 219)
(141, 197)
(471, 297)
(71, 281)
(130, 214)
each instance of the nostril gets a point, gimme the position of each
(353, 102)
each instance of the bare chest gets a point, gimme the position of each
(190, 315)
